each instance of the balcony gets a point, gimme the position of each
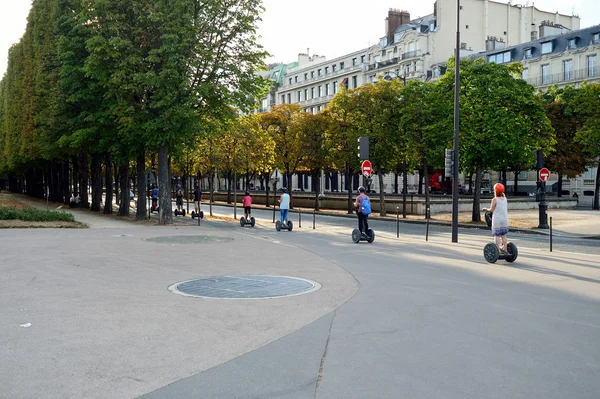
(555, 78)
(411, 54)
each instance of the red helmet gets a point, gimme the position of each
(499, 188)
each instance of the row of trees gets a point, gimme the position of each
(97, 84)
(503, 124)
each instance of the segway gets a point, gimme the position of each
(488, 218)
(197, 215)
(248, 222)
(357, 236)
(491, 253)
(154, 207)
(178, 212)
(279, 225)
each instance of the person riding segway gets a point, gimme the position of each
(363, 210)
(284, 207)
(247, 218)
(197, 212)
(498, 212)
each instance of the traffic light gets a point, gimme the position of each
(363, 148)
(449, 162)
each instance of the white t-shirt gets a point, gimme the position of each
(500, 217)
(285, 201)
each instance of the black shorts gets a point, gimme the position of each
(248, 210)
(179, 201)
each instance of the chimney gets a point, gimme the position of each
(395, 19)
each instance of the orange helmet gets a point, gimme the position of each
(499, 188)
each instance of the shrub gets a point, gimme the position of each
(34, 215)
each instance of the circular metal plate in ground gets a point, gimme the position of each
(245, 287)
(190, 239)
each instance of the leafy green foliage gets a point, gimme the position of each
(34, 215)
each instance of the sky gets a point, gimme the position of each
(325, 27)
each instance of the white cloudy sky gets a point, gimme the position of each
(327, 27)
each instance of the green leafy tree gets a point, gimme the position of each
(587, 105)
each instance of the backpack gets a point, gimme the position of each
(366, 205)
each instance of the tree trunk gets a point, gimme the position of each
(396, 183)
(560, 186)
(65, 182)
(96, 182)
(317, 186)
(75, 176)
(420, 189)
(382, 211)
(289, 187)
(83, 181)
(349, 186)
(267, 185)
(476, 214)
(124, 183)
(596, 205)
(108, 207)
(140, 210)
(165, 215)
(117, 196)
(229, 178)
(426, 188)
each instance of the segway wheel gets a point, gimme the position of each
(491, 252)
(488, 219)
(193, 214)
(242, 221)
(371, 235)
(290, 225)
(184, 212)
(252, 221)
(513, 252)
(278, 225)
(356, 235)
(201, 214)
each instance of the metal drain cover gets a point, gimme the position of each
(206, 239)
(245, 287)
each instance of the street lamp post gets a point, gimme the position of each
(404, 178)
(456, 125)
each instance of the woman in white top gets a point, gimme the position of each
(499, 208)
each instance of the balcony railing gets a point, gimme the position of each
(578, 74)
(411, 54)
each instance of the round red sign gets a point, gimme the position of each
(366, 168)
(544, 174)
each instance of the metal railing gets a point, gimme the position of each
(578, 74)
(411, 54)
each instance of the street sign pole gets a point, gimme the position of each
(456, 122)
(543, 176)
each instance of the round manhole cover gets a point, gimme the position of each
(245, 287)
(190, 239)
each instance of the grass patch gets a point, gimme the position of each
(34, 215)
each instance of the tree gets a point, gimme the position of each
(587, 104)
(502, 121)
(341, 137)
(569, 158)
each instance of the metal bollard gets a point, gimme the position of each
(273, 213)
(550, 233)
(314, 216)
(427, 225)
(299, 218)
(397, 222)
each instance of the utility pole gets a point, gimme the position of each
(456, 125)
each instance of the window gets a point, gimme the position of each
(383, 53)
(345, 82)
(596, 38)
(572, 43)
(296, 79)
(528, 53)
(312, 92)
(507, 57)
(335, 84)
(354, 61)
(341, 65)
(590, 174)
(320, 91)
(283, 98)
(326, 69)
(545, 74)
(492, 58)
(312, 74)
(395, 49)
(326, 89)
(333, 68)
(568, 69)
(289, 98)
(354, 82)
(306, 76)
(592, 65)
(409, 68)
(525, 74)
(319, 72)
(362, 59)
(305, 94)
(436, 72)
(546, 47)
(290, 80)
(299, 95)
(467, 26)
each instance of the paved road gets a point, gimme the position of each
(560, 243)
(430, 320)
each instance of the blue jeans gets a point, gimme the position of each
(284, 215)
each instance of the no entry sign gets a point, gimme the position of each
(544, 174)
(366, 168)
